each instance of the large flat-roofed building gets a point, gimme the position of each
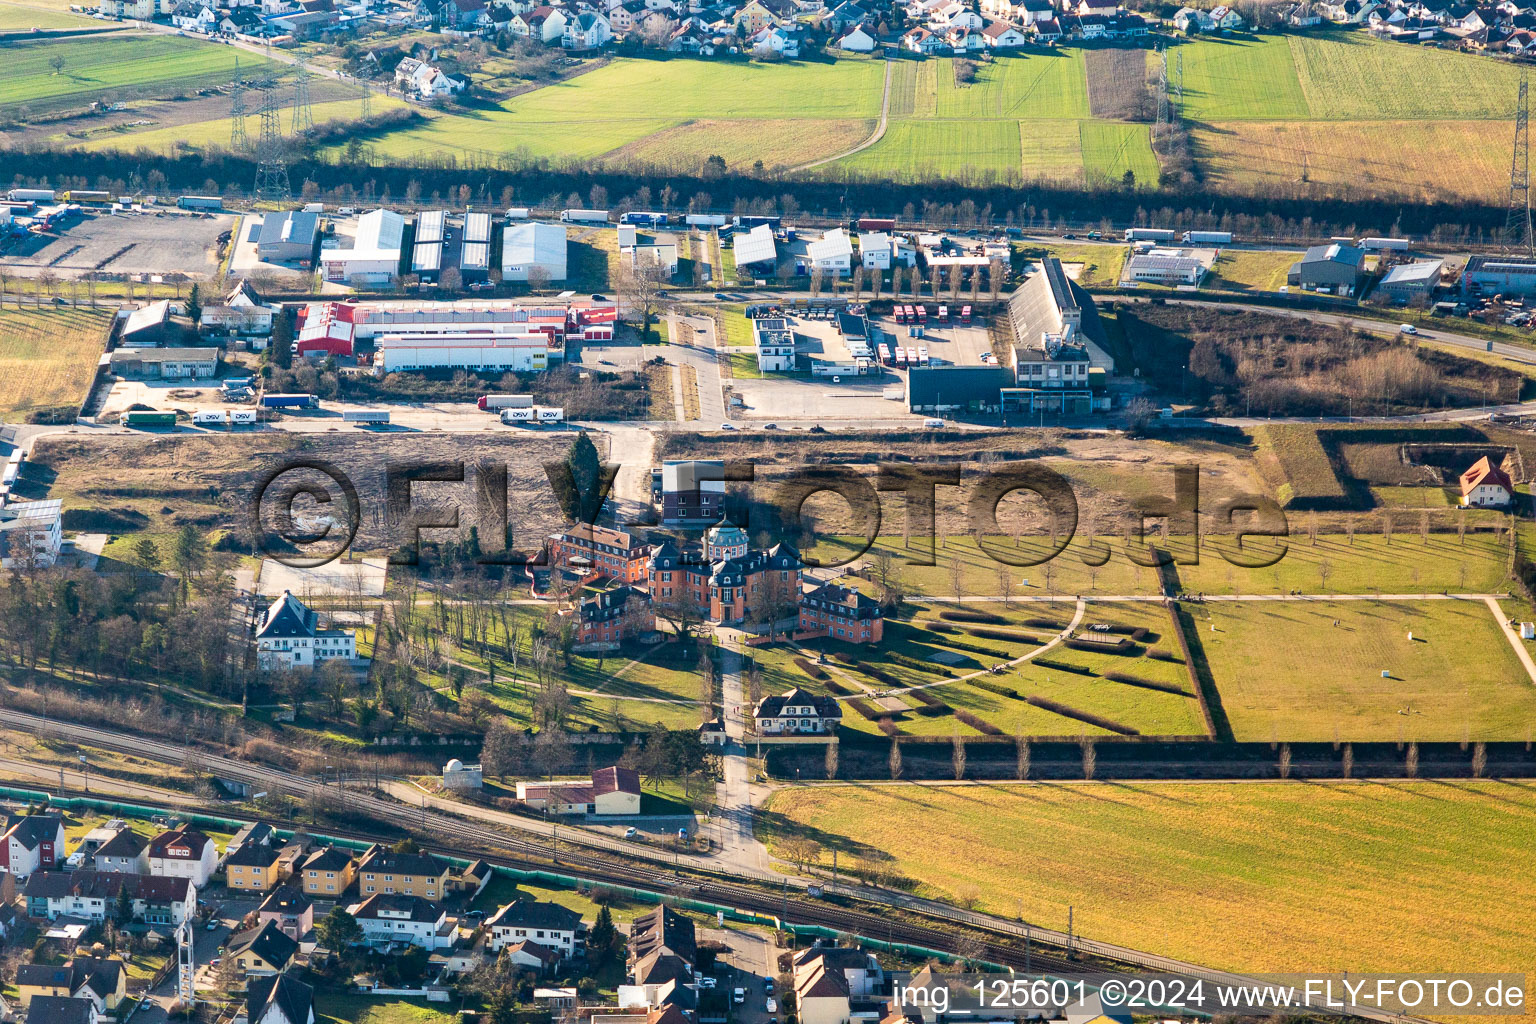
(165, 363)
(427, 246)
(374, 257)
(31, 533)
(941, 389)
(1409, 282)
(1058, 344)
(1170, 267)
(1499, 275)
(490, 351)
(475, 248)
(757, 250)
(532, 248)
(288, 237)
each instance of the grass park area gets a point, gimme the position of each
(48, 359)
(341, 1008)
(1249, 270)
(1273, 872)
(1305, 670)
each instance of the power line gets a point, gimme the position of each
(367, 101)
(1160, 130)
(1517, 223)
(271, 156)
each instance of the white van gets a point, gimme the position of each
(933, 422)
(1407, 329)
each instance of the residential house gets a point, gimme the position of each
(531, 956)
(965, 40)
(1047, 31)
(194, 17)
(426, 81)
(127, 852)
(663, 931)
(93, 896)
(1485, 485)
(183, 853)
(290, 909)
(61, 1010)
(545, 24)
(691, 38)
(612, 790)
(390, 918)
(843, 613)
(797, 713)
(386, 872)
(1225, 19)
(1191, 20)
(856, 40)
(327, 872)
(243, 314)
(279, 999)
(252, 868)
(288, 635)
(1030, 12)
(752, 17)
(1002, 36)
(102, 980)
(261, 951)
(778, 41)
(31, 842)
(548, 924)
(861, 971)
(588, 30)
(922, 41)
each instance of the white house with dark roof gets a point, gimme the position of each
(282, 999)
(548, 924)
(288, 635)
(389, 918)
(797, 712)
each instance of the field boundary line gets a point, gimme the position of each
(1513, 638)
(876, 136)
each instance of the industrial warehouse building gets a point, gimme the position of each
(757, 250)
(494, 335)
(375, 254)
(165, 363)
(288, 237)
(530, 245)
(1170, 267)
(1330, 268)
(488, 351)
(1059, 353)
(1499, 275)
(475, 248)
(1410, 282)
(427, 247)
(774, 343)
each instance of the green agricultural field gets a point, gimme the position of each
(1037, 85)
(205, 134)
(1110, 149)
(918, 150)
(126, 66)
(1241, 78)
(742, 143)
(1366, 565)
(1137, 863)
(1355, 77)
(492, 133)
(48, 359)
(1049, 152)
(1304, 670)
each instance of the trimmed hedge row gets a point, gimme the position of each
(1062, 666)
(866, 709)
(810, 670)
(1158, 654)
(1043, 623)
(987, 633)
(1147, 684)
(981, 725)
(1068, 711)
(1001, 689)
(935, 626)
(889, 727)
(969, 616)
(1124, 646)
(932, 707)
(839, 688)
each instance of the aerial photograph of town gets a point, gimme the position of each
(767, 512)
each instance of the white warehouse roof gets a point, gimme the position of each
(830, 246)
(534, 244)
(756, 246)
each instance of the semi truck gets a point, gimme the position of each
(495, 403)
(1150, 235)
(1207, 238)
(210, 418)
(86, 198)
(36, 195)
(518, 213)
(584, 216)
(705, 220)
(546, 414)
(875, 224)
(150, 420)
(367, 417)
(201, 202)
(518, 414)
(1385, 244)
(237, 383)
(644, 218)
(289, 402)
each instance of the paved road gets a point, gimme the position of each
(739, 847)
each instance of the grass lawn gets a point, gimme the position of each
(1049, 153)
(1244, 270)
(1370, 565)
(354, 1009)
(1357, 876)
(1241, 77)
(498, 131)
(744, 366)
(25, 17)
(1110, 149)
(1101, 264)
(171, 140)
(48, 358)
(917, 150)
(1039, 84)
(741, 143)
(129, 64)
(1283, 669)
(503, 890)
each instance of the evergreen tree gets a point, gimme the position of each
(194, 306)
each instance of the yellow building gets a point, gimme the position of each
(327, 872)
(409, 874)
(253, 868)
(104, 981)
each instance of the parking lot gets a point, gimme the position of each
(169, 242)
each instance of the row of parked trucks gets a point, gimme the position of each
(903, 356)
(520, 409)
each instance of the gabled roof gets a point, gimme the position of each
(773, 706)
(286, 617)
(252, 855)
(535, 914)
(293, 999)
(105, 885)
(31, 830)
(393, 906)
(541, 952)
(285, 899)
(267, 940)
(1483, 471)
(662, 928)
(60, 1010)
(404, 863)
(327, 858)
(193, 840)
(615, 779)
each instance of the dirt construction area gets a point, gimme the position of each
(163, 243)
